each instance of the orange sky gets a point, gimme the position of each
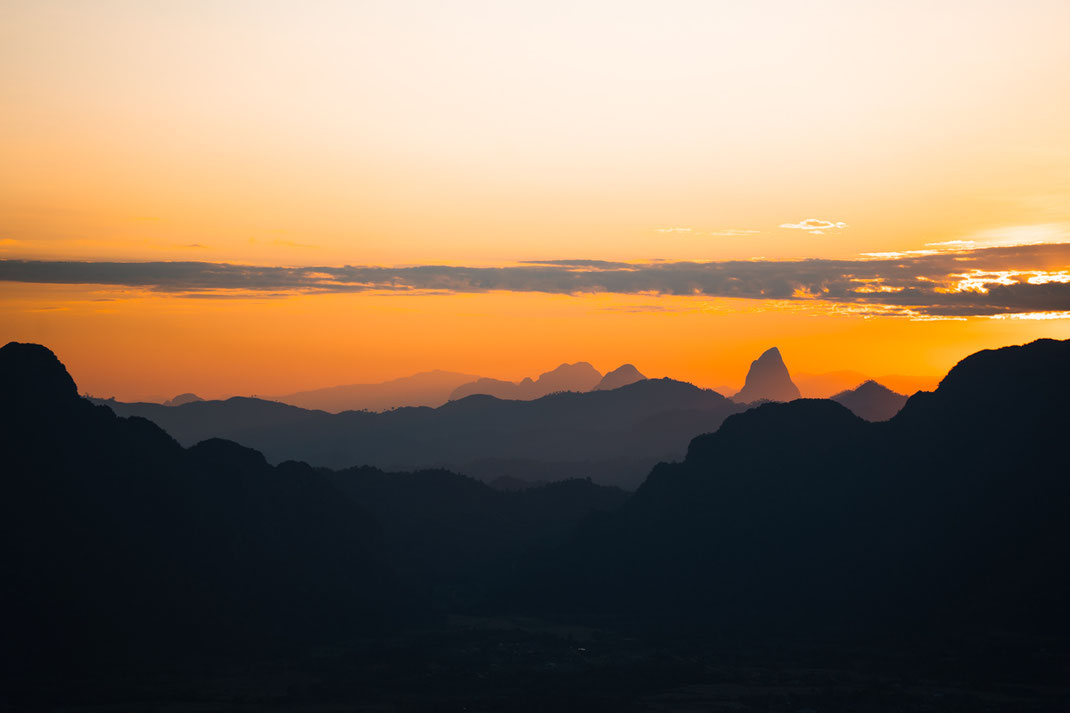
(482, 134)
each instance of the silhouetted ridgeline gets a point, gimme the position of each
(117, 541)
(802, 517)
(945, 525)
(119, 544)
(613, 437)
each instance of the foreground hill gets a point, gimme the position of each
(614, 437)
(803, 517)
(118, 541)
(121, 546)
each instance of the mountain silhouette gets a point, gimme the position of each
(828, 384)
(613, 437)
(950, 517)
(934, 543)
(621, 376)
(767, 380)
(121, 547)
(824, 386)
(117, 540)
(580, 376)
(182, 399)
(428, 388)
(871, 401)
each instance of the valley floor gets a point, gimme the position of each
(503, 664)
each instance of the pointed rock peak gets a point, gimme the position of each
(32, 376)
(621, 376)
(768, 379)
(769, 355)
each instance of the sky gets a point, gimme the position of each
(261, 197)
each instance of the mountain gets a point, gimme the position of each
(182, 399)
(621, 376)
(824, 386)
(580, 376)
(948, 521)
(613, 437)
(767, 380)
(121, 548)
(871, 401)
(429, 388)
(117, 542)
(440, 528)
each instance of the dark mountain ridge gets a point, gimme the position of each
(613, 436)
(934, 544)
(801, 517)
(121, 547)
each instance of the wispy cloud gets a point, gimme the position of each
(948, 283)
(815, 226)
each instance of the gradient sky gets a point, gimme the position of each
(685, 145)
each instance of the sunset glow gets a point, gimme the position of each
(258, 198)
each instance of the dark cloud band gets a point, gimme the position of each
(991, 281)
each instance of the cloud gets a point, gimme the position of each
(978, 282)
(815, 226)
(672, 230)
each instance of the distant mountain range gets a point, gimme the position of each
(428, 388)
(435, 388)
(586, 427)
(580, 376)
(613, 436)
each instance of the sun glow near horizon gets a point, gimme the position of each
(479, 135)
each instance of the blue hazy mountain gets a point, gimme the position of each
(613, 436)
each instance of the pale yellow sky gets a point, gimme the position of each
(487, 133)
